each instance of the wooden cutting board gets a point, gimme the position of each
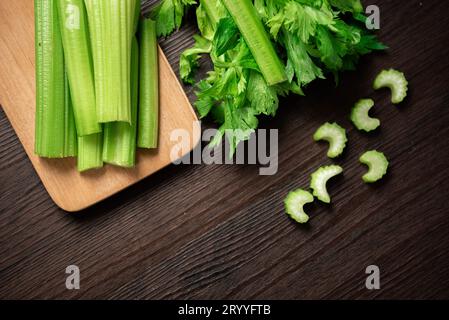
(69, 189)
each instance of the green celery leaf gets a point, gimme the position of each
(299, 62)
(168, 15)
(206, 102)
(226, 37)
(354, 6)
(238, 126)
(263, 98)
(330, 48)
(368, 43)
(189, 60)
(205, 26)
(303, 20)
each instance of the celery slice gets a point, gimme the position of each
(112, 27)
(320, 179)
(294, 205)
(75, 38)
(55, 134)
(395, 81)
(148, 128)
(70, 134)
(90, 152)
(119, 147)
(335, 135)
(377, 164)
(258, 40)
(360, 116)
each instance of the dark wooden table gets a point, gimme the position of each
(221, 232)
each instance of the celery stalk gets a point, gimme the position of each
(55, 134)
(119, 146)
(70, 134)
(112, 27)
(90, 152)
(75, 39)
(258, 40)
(148, 121)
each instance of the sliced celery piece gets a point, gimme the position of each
(75, 39)
(258, 40)
(70, 134)
(320, 179)
(119, 147)
(90, 152)
(335, 135)
(360, 116)
(112, 28)
(395, 81)
(377, 164)
(294, 205)
(148, 120)
(55, 134)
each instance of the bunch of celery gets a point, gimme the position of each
(263, 49)
(87, 81)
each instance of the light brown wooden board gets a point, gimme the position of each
(69, 189)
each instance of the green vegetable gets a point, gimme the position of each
(317, 37)
(310, 38)
(299, 63)
(353, 6)
(119, 146)
(377, 164)
(90, 152)
(55, 125)
(70, 135)
(189, 60)
(226, 36)
(235, 93)
(320, 179)
(224, 93)
(148, 122)
(169, 14)
(253, 31)
(360, 116)
(209, 13)
(214, 10)
(112, 28)
(294, 205)
(75, 39)
(262, 98)
(395, 81)
(335, 135)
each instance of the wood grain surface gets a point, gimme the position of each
(220, 231)
(69, 189)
